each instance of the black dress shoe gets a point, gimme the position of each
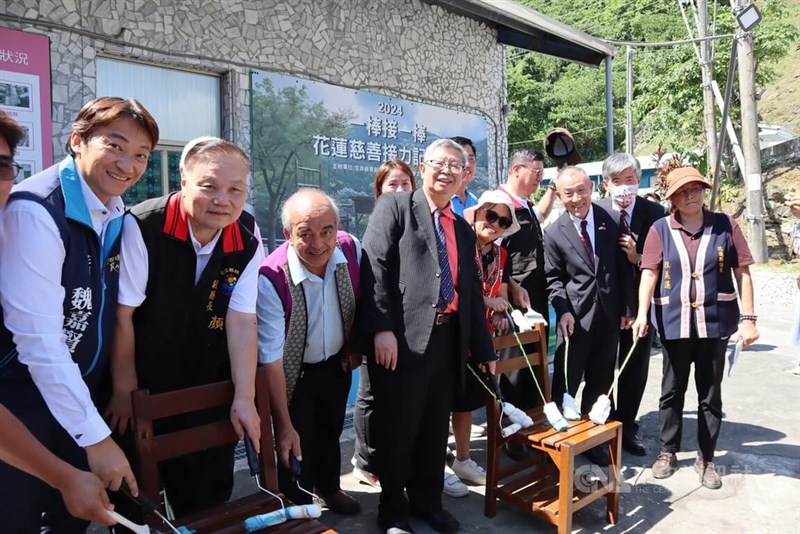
(597, 456)
(341, 503)
(394, 527)
(632, 444)
(516, 451)
(440, 520)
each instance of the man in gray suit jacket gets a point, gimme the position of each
(622, 174)
(423, 318)
(591, 295)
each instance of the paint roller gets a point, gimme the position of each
(568, 406)
(284, 513)
(601, 408)
(551, 411)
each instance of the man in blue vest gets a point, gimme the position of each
(306, 309)
(58, 282)
(186, 315)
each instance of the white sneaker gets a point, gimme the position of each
(453, 487)
(365, 477)
(477, 431)
(470, 471)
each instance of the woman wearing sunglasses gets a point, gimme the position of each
(492, 218)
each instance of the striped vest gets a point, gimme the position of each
(714, 311)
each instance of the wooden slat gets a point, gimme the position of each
(172, 445)
(151, 449)
(162, 405)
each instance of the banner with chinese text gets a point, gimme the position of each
(321, 135)
(25, 95)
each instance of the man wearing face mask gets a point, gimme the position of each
(622, 174)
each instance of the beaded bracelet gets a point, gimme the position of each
(748, 318)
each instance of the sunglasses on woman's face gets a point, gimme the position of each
(493, 218)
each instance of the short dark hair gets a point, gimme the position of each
(523, 156)
(11, 131)
(465, 142)
(105, 110)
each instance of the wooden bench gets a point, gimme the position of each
(152, 449)
(545, 484)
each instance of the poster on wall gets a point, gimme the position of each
(25, 95)
(307, 133)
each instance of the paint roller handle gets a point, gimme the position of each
(141, 499)
(252, 456)
(294, 464)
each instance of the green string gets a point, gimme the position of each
(471, 370)
(566, 352)
(525, 355)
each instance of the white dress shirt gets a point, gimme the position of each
(589, 225)
(325, 331)
(33, 305)
(134, 268)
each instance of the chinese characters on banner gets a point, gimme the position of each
(25, 95)
(307, 133)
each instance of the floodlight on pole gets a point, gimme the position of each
(748, 17)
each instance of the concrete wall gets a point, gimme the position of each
(403, 48)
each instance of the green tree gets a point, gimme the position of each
(283, 125)
(667, 83)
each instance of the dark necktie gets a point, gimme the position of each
(624, 227)
(587, 243)
(446, 290)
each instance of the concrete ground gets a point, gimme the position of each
(758, 454)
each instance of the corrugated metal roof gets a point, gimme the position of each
(525, 28)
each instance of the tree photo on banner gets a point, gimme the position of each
(307, 133)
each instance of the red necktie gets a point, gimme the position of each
(587, 243)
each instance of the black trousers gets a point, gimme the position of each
(591, 357)
(412, 408)
(708, 356)
(26, 503)
(362, 421)
(317, 413)
(633, 378)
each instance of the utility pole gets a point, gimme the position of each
(707, 70)
(629, 101)
(750, 144)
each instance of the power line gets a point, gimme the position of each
(573, 133)
(671, 43)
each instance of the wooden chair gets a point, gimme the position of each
(151, 449)
(544, 485)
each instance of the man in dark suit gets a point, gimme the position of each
(590, 293)
(622, 174)
(423, 317)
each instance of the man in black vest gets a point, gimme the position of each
(186, 313)
(622, 174)
(306, 307)
(526, 252)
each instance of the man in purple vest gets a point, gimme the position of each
(306, 307)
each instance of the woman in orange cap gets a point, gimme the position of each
(689, 262)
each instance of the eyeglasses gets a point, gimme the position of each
(455, 168)
(9, 169)
(535, 172)
(503, 222)
(691, 191)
